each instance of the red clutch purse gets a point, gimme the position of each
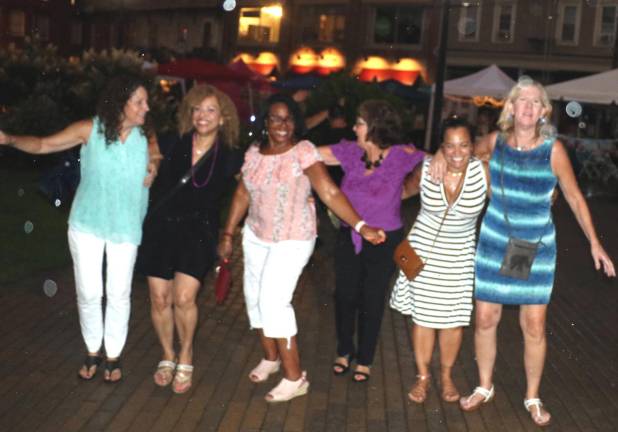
(223, 281)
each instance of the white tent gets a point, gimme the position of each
(601, 88)
(490, 81)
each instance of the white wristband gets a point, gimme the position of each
(359, 225)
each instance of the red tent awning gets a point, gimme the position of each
(200, 70)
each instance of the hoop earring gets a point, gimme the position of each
(542, 121)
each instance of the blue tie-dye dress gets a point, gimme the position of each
(528, 186)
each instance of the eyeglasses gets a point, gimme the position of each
(277, 121)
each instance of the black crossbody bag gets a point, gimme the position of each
(520, 254)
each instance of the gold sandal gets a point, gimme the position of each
(449, 391)
(164, 373)
(418, 392)
(182, 379)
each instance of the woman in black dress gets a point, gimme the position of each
(181, 229)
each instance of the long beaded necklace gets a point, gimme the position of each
(212, 164)
(372, 164)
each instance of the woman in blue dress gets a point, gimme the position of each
(525, 163)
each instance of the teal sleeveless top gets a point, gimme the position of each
(111, 199)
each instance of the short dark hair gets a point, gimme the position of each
(383, 122)
(455, 122)
(299, 120)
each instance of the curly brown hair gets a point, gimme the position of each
(195, 96)
(383, 122)
(113, 99)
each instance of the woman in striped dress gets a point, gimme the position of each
(526, 161)
(439, 299)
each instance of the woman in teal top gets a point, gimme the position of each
(107, 212)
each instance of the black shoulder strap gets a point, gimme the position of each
(183, 181)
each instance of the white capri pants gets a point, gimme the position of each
(87, 252)
(271, 274)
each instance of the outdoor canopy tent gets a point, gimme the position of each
(490, 81)
(601, 88)
(237, 81)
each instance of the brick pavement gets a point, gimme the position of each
(42, 349)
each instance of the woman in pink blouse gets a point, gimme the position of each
(279, 235)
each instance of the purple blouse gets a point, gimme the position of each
(377, 196)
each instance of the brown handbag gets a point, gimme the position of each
(406, 257)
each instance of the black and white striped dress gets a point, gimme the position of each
(441, 295)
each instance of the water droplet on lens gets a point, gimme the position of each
(581, 125)
(573, 109)
(67, 164)
(28, 227)
(57, 202)
(20, 192)
(50, 288)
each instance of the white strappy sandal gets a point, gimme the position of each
(488, 395)
(537, 415)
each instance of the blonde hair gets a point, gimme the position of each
(195, 96)
(505, 121)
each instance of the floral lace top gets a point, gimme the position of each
(280, 207)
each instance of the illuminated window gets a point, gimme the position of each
(323, 24)
(504, 22)
(568, 22)
(469, 22)
(17, 23)
(605, 26)
(260, 24)
(402, 25)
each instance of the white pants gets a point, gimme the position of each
(271, 273)
(87, 252)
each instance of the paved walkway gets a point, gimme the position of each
(42, 349)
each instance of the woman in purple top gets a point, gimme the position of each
(374, 170)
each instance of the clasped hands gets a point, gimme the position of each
(375, 236)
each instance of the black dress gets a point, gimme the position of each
(181, 230)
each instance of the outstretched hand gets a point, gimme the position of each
(601, 258)
(373, 235)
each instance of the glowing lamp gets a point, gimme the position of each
(303, 61)
(373, 69)
(265, 63)
(330, 60)
(406, 71)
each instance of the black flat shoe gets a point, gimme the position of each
(89, 362)
(110, 367)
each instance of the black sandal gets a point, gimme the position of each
(343, 369)
(360, 377)
(110, 367)
(89, 362)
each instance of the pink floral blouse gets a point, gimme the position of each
(280, 207)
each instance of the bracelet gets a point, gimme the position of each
(156, 157)
(359, 225)
(227, 234)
